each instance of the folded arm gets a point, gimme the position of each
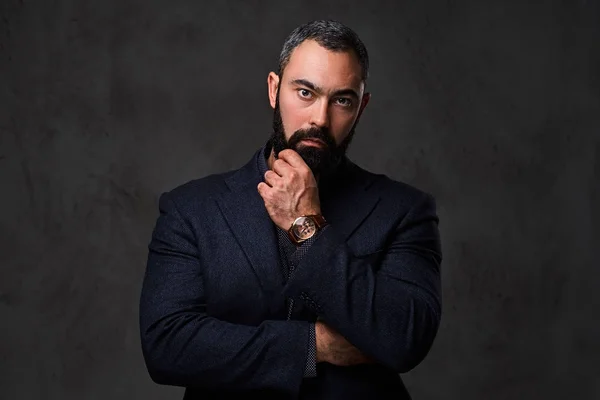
(389, 307)
(184, 346)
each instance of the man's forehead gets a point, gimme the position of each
(325, 68)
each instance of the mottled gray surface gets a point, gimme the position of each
(492, 106)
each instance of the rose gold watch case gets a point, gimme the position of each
(305, 227)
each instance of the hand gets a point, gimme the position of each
(335, 349)
(290, 190)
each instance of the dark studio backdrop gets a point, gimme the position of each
(494, 107)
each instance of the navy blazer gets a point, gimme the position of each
(212, 306)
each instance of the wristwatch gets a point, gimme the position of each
(305, 227)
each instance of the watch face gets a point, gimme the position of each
(304, 228)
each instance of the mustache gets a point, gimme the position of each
(321, 134)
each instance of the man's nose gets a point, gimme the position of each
(320, 113)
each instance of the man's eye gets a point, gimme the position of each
(344, 102)
(305, 93)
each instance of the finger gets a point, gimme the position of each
(263, 189)
(292, 158)
(271, 178)
(282, 167)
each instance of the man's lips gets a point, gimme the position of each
(313, 142)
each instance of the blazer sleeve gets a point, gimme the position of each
(184, 346)
(388, 304)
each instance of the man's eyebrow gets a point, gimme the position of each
(346, 92)
(315, 88)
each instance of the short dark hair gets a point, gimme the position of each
(331, 35)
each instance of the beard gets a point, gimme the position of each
(321, 160)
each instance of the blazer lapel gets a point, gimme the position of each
(345, 202)
(248, 219)
(348, 201)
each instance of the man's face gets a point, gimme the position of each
(317, 102)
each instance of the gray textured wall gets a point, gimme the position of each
(492, 106)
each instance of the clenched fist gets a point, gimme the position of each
(290, 190)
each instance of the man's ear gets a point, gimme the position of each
(363, 103)
(273, 86)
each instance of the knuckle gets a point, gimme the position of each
(286, 152)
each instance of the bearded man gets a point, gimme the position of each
(299, 275)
